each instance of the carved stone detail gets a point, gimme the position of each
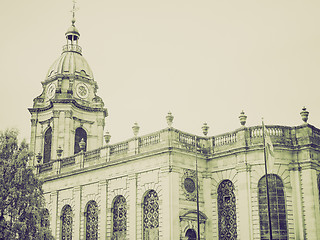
(100, 122)
(188, 184)
(56, 113)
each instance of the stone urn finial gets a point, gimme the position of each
(82, 144)
(107, 137)
(242, 118)
(135, 129)
(304, 114)
(39, 157)
(205, 128)
(59, 152)
(169, 118)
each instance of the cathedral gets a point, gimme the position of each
(168, 184)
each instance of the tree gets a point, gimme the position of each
(21, 194)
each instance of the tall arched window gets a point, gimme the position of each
(47, 145)
(227, 211)
(119, 212)
(151, 216)
(66, 223)
(277, 208)
(92, 220)
(79, 135)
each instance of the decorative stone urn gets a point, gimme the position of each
(135, 129)
(59, 152)
(205, 129)
(242, 118)
(82, 145)
(39, 157)
(169, 118)
(304, 114)
(107, 137)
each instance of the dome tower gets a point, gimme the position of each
(68, 109)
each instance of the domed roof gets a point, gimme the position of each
(70, 63)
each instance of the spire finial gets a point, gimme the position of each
(74, 9)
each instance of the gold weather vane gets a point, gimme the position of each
(74, 9)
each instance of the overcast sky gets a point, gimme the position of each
(203, 60)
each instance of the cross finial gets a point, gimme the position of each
(74, 9)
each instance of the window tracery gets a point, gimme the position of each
(119, 212)
(66, 223)
(227, 211)
(92, 221)
(151, 216)
(277, 208)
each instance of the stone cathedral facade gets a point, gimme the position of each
(145, 187)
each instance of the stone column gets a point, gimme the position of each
(170, 203)
(310, 196)
(77, 211)
(67, 134)
(33, 138)
(103, 185)
(297, 201)
(100, 127)
(55, 134)
(244, 222)
(54, 213)
(132, 210)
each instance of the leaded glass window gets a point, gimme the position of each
(277, 208)
(66, 223)
(79, 135)
(92, 220)
(119, 212)
(151, 216)
(227, 222)
(47, 145)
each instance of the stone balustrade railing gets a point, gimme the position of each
(170, 137)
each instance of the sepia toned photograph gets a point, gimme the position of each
(157, 120)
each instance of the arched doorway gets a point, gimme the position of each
(191, 234)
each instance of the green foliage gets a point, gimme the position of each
(21, 195)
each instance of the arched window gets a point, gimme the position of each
(66, 223)
(47, 145)
(277, 208)
(92, 220)
(151, 216)
(191, 234)
(119, 212)
(45, 218)
(79, 135)
(227, 211)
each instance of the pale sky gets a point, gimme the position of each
(203, 60)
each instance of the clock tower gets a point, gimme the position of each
(68, 110)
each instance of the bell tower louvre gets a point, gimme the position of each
(68, 110)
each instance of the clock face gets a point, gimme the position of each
(82, 90)
(51, 90)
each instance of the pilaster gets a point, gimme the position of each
(67, 133)
(54, 212)
(244, 202)
(295, 179)
(132, 213)
(207, 204)
(310, 198)
(170, 186)
(103, 185)
(77, 211)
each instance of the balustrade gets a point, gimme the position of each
(67, 161)
(149, 140)
(92, 155)
(119, 148)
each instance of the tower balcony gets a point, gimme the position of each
(72, 48)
